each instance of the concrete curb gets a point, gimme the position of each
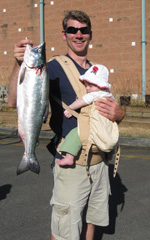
(123, 141)
(134, 142)
(13, 131)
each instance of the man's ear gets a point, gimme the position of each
(64, 35)
(91, 35)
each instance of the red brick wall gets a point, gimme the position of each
(111, 40)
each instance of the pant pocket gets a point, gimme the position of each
(61, 222)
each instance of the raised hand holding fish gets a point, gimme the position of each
(20, 48)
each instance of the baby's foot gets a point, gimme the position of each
(67, 160)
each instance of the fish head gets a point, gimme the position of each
(35, 57)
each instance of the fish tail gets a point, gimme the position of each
(24, 165)
(28, 164)
(34, 165)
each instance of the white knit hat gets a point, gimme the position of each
(98, 75)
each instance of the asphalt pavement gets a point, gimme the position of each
(25, 212)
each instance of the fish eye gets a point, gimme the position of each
(39, 50)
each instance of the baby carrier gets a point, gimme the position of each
(91, 145)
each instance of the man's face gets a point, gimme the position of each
(77, 43)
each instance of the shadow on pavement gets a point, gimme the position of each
(4, 190)
(116, 198)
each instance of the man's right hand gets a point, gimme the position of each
(19, 49)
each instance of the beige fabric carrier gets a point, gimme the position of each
(90, 154)
(103, 132)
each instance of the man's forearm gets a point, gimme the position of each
(12, 88)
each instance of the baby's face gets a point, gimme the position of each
(91, 87)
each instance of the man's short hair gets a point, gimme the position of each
(76, 15)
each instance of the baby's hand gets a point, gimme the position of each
(67, 114)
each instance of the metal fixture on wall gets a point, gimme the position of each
(42, 33)
(143, 50)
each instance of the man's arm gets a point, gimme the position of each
(110, 109)
(19, 55)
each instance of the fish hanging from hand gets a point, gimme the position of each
(32, 103)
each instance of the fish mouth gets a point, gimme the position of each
(40, 48)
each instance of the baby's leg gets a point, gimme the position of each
(67, 160)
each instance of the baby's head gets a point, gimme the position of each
(96, 76)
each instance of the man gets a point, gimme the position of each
(74, 196)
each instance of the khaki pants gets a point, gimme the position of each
(72, 193)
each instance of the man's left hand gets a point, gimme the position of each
(110, 109)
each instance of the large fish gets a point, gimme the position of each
(32, 104)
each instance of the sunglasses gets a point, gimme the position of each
(74, 30)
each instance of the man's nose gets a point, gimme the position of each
(79, 34)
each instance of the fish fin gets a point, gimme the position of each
(20, 137)
(24, 165)
(22, 74)
(28, 164)
(45, 116)
(34, 165)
